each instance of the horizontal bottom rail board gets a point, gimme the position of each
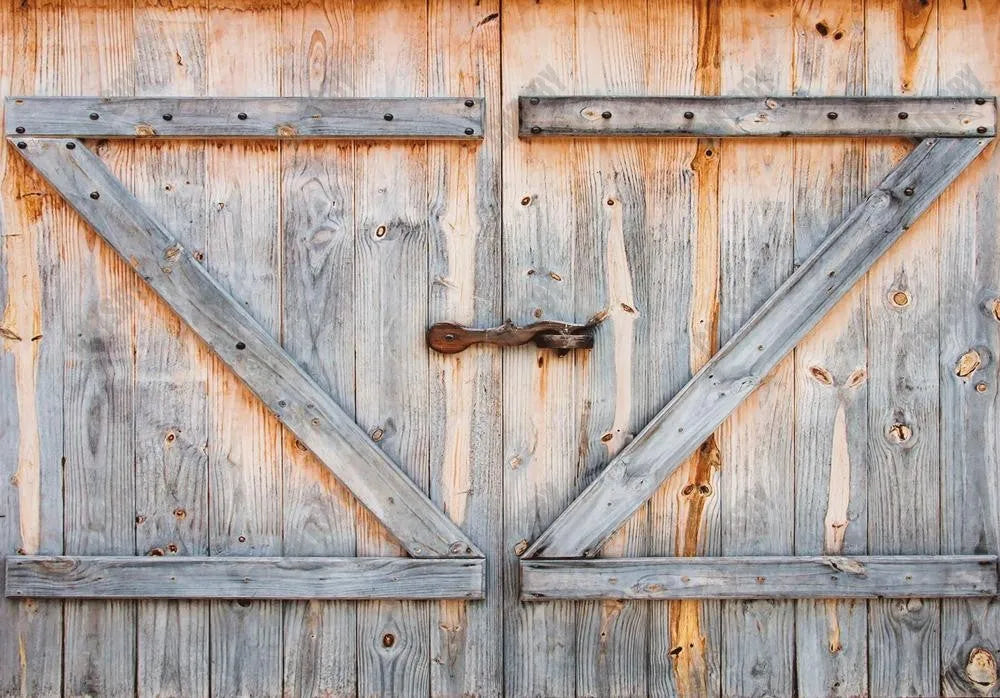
(132, 577)
(821, 577)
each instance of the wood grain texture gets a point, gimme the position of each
(968, 322)
(248, 117)
(681, 181)
(99, 382)
(831, 433)
(904, 470)
(172, 367)
(611, 237)
(744, 362)
(465, 391)
(243, 254)
(318, 316)
(175, 274)
(392, 236)
(777, 577)
(756, 242)
(221, 577)
(543, 421)
(600, 115)
(31, 373)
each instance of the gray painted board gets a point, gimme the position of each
(246, 117)
(757, 116)
(760, 577)
(740, 366)
(247, 348)
(179, 577)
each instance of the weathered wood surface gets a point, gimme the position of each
(465, 411)
(759, 577)
(542, 416)
(171, 367)
(757, 246)
(851, 116)
(32, 345)
(243, 256)
(831, 390)
(904, 419)
(318, 316)
(740, 366)
(183, 577)
(247, 117)
(392, 378)
(247, 348)
(969, 358)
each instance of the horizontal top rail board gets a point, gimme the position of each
(253, 354)
(918, 117)
(821, 577)
(459, 118)
(847, 252)
(243, 578)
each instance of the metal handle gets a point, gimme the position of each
(449, 338)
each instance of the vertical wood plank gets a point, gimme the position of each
(543, 421)
(95, 57)
(391, 280)
(969, 325)
(902, 297)
(611, 238)
(171, 364)
(465, 393)
(831, 362)
(317, 204)
(31, 371)
(755, 221)
(682, 298)
(243, 252)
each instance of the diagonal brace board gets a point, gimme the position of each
(739, 367)
(246, 347)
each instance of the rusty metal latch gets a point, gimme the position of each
(449, 338)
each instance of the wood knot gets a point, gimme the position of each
(521, 546)
(286, 131)
(144, 130)
(899, 298)
(821, 375)
(981, 667)
(180, 513)
(377, 434)
(388, 640)
(968, 363)
(900, 433)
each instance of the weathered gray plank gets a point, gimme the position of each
(266, 117)
(904, 423)
(969, 360)
(739, 367)
(183, 577)
(465, 394)
(612, 239)
(756, 246)
(761, 577)
(172, 366)
(99, 381)
(542, 418)
(31, 374)
(678, 283)
(247, 348)
(318, 315)
(831, 424)
(392, 234)
(242, 254)
(951, 117)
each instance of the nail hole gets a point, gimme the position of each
(241, 346)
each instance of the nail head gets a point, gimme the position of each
(981, 129)
(22, 145)
(903, 115)
(536, 129)
(242, 116)
(533, 100)
(689, 115)
(168, 117)
(19, 129)
(469, 131)
(606, 115)
(94, 116)
(95, 195)
(387, 117)
(70, 146)
(908, 191)
(469, 103)
(832, 115)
